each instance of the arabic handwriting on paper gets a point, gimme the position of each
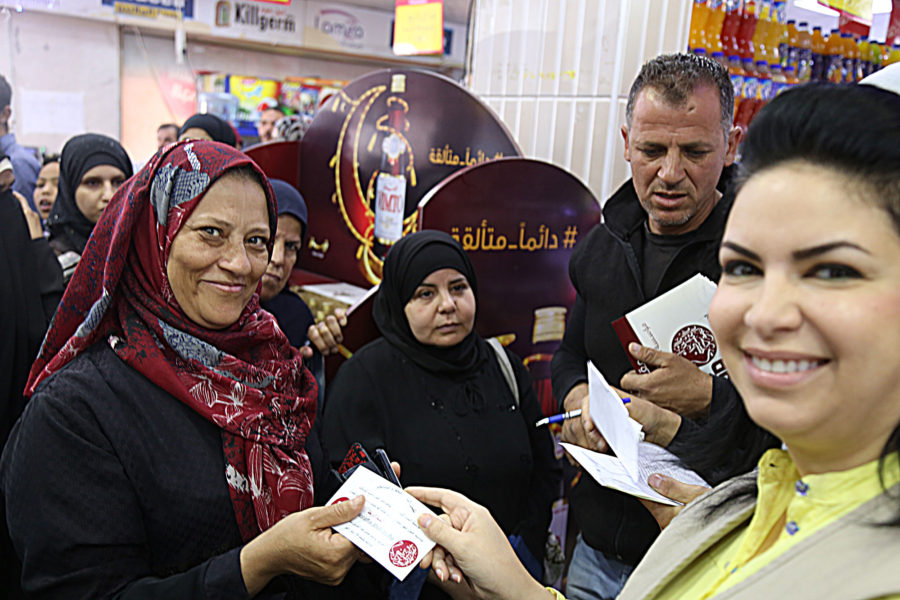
(484, 238)
(386, 529)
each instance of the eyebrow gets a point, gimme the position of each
(451, 282)
(804, 254)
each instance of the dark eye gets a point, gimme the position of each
(739, 268)
(117, 183)
(424, 294)
(257, 240)
(292, 246)
(460, 287)
(91, 183)
(211, 231)
(652, 152)
(833, 271)
(696, 154)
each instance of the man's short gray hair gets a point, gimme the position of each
(677, 76)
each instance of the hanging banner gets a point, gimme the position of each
(858, 9)
(418, 27)
(893, 30)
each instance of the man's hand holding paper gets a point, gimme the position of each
(635, 460)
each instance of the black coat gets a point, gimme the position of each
(606, 274)
(115, 489)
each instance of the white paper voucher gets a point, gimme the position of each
(386, 529)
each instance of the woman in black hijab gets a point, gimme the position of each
(431, 392)
(204, 126)
(92, 167)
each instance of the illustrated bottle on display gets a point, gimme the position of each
(699, 15)
(714, 22)
(893, 56)
(804, 53)
(790, 76)
(719, 57)
(730, 26)
(779, 82)
(819, 56)
(390, 186)
(546, 335)
(765, 91)
(748, 95)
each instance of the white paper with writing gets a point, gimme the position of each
(386, 529)
(634, 460)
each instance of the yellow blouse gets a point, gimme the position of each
(807, 504)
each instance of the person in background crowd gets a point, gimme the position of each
(166, 134)
(807, 316)
(204, 126)
(660, 228)
(162, 452)
(434, 395)
(24, 162)
(292, 128)
(30, 290)
(266, 126)
(47, 186)
(92, 167)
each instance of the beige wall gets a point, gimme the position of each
(557, 72)
(64, 63)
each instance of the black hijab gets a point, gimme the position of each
(407, 264)
(81, 154)
(218, 129)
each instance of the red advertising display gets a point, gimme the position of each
(400, 132)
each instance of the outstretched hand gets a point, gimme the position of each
(675, 383)
(480, 557)
(674, 489)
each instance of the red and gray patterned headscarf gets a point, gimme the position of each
(245, 378)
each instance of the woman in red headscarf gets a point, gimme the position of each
(162, 451)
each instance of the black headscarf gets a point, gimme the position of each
(81, 154)
(407, 264)
(218, 129)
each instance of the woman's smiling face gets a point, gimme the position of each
(219, 254)
(807, 313)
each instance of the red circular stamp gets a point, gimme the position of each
(696, 343)
(403, 553)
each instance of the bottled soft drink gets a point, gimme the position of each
(779, 82)
(864, 64)
(719, 57)
(737, 74)
(850, 58)
(778, 35)
(818, 55)
(747, 29)
(875, 55)
(714, 26)
(790, 76)
(699, 15)
(790, 53)
(804, 53)
(893, 55)
(834, 48)
(730, 27)
(760, 39)
(749, 91)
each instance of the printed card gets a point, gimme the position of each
(386, 529)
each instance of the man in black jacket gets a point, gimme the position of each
(660, 228)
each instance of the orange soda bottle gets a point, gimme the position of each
(790, 76)
(850, 57)
(834, 48)
(893, 55)
(818, 57)
(761, 34)
(747, 29)
(778, 34)
(790, 54)
(875, 55)
(714, 22)
(737, 75)
(699, 16)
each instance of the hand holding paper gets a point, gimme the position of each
(386, 529)
(635, 460)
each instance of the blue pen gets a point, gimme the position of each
(560, 417)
